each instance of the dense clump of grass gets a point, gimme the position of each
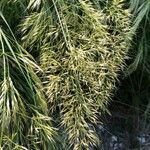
(81, 48)
(24, 120)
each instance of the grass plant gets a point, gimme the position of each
(80, 48)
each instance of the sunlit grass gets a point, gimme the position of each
(24, 120)
(81, 49)
(81, 52)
